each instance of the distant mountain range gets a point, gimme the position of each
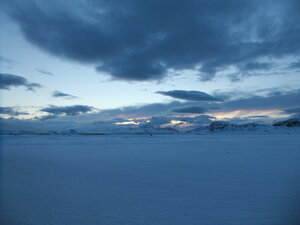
(226, 127)
(217, 127)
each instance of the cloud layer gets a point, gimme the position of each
(191, 109)
(11, 111)
(293, 112)
(134, 40)
(58, 94)
(8, 80)
(159, 115)
(197, 96)
(67, 110)
(272, 100)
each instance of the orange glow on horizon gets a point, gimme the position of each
(218, 115)
(127, 122)
(174, 122)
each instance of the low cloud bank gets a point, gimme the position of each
(55, 124)
(175, 114)
(10, 111)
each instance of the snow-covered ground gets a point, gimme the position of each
(150, 180)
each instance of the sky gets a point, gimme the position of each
(133, 62)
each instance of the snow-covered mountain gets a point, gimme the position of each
(223, 126)
(217, 127)
(288, 123)
(145, 129)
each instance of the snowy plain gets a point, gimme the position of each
(150, 180)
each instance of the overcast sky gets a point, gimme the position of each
(101, 60)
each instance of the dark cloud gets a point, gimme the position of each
(268, 99)
(158, 121)
(67, 110)
(45, 72)
(258, 117)
(11, 111)
(256, 66)
(295, 65)
(190, 95)
(191, 109)
(8, 80)
(275, 99)
(134, 40)
(58, 94)
(47, 117)
(293, 112)
(33, 86)
(261, 99)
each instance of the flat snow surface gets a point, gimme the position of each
(155, 180)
